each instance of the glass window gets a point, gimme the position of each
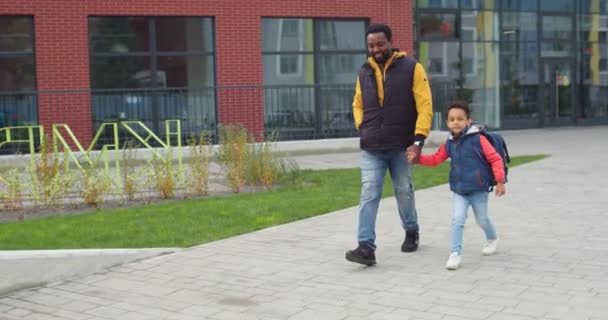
(18, 102)
(557, 36)
(170, 77)
(479, 26)
(595, 80)
(16, 34)
(304, 83)
(440, 59)
(557, 5)
(593, 27)
(17, 74)
(519, 26)
(480, 88)
(122, 56)
(479, 4)
(437, 4)
(120, 72)
(339, 68)
(183, 34)
(441, 26)
(288, 69)
(600, 6)
(520, 82)
(339, 35)
(519, 5)
(119, 34)
(17, 63)
(184, 71)
(287, 35)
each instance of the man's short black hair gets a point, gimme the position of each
(378, 27)
(462, 105)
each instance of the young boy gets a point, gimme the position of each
(470, 177)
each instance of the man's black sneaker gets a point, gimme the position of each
(363, 254)
(410, 243)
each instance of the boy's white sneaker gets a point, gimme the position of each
(453, 261)
(490, 247)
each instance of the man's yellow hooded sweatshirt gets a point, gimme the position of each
(392, 106)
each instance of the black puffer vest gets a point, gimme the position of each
(392, 125)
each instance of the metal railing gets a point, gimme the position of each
(288, 111)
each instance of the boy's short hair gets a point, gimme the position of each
(462, 105)
(378, 27)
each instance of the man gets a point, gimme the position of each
(393, 111)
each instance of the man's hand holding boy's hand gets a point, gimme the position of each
(412, 156)
(500, 189)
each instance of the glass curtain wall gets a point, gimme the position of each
(519, 57)
(519, 63)
(457, 43)
(310, 68)
(593, 38)
(152, 69)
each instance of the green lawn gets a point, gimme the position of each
(191, 222)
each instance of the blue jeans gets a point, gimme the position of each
(479, 202)
(373, 170)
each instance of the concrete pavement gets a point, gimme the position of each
(552, 261)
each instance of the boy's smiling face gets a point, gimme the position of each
(457, 120)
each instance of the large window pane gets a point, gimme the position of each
(18, 105)
(479, 26)
(481, 73)
(119, 34)
(120, 72)
(519, 26)
(437, 4)
(184, 34)
(339, 68)
(595, 80)
(520, 83)
(441, 62)
(557, 5)
(183, 71)
(557, 36)
(519, 5)
(441, 26)
(16, 34)
(17, 74)
(309, 76)
(593, 27)
(479, 4)
(594, 6)
(287, 35)
(340, 35)
(285, 69)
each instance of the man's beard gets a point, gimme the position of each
(384, 58)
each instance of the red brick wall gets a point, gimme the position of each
(62, 61)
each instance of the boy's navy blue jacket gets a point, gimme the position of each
(470, 154)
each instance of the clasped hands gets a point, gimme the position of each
(413, 154)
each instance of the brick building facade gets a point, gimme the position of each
(62, 50)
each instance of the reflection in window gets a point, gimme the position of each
(437, 4)
(123, 58)
(557, 5)
(299, 64)
(171, 77)
(484, 24)
(519, 26)
(519, 5)
(437, 26)
(17, 71)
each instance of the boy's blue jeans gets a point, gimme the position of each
(479, 202)
(373, 169)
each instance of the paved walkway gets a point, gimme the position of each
(552, 261)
